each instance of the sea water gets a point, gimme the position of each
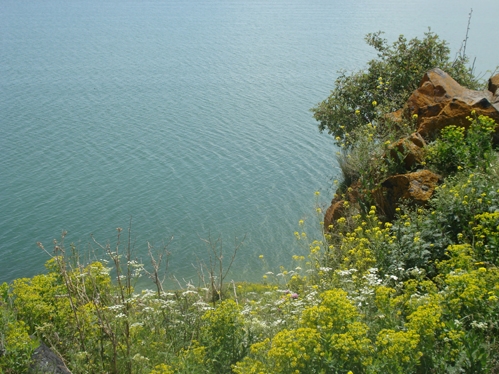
(184, 119)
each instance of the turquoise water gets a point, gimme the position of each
(189, 118)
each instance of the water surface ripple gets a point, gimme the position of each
(190, 117)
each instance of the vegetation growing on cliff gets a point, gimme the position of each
(416, 294)
(368, 95)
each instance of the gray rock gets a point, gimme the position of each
(45, 361)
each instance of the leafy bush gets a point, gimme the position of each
(17, 346)
(224, 336)
(367, 95)
(457, 148)
(418, 294)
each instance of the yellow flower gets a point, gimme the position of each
(374, 103)
(261, 256)
(415, 116)
(357, 112)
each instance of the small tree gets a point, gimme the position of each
(368, 95)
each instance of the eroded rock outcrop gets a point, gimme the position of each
(337, 208)
(494, 87)
(415, 188)
(410, 149)
(440, 101)
(335, 211)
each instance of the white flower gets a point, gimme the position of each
(139, 357)
(479, 325)
(116, 307)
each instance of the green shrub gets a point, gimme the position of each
(416, 295)
(367, 95)
(224, 336)
(457, 149)
(16, 346)
(486, 235)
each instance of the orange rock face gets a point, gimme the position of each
(441, 101)
(335, 211)
(494, 87)
(410, 149)
(415, 188)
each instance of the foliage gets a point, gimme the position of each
(368, 156)
(16, 346)
(418, 294)
(372, 145)
(367, 95)
(457, 149)
(487, 237)
(225, 337)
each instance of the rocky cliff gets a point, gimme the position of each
(438, 102)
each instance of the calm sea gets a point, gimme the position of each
(188, 118)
